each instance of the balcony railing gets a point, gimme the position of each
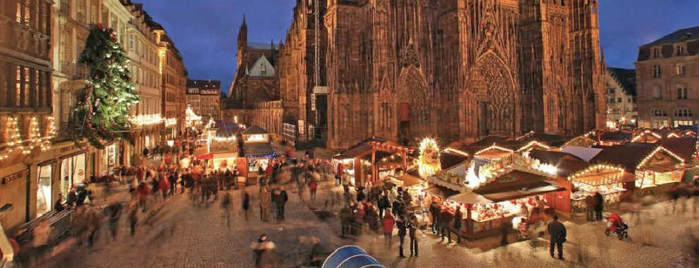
(81, 71)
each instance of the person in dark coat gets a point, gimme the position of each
(457, 224)
(412, 231)
(384, 204)
(280, 201)
(590, 207)
(114, 213)
(346, 219)
(246, 204)
(504, 231)
(402, 232)
(445, 219)
(360, 194)
(557, 231)
(434, 211)
(599, 206)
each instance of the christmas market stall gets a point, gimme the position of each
(652, 165)
(362, 161)
(257, 148)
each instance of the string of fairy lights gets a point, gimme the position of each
(15, 142)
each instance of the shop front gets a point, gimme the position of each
(610, 181)
(44, 191)
(14, 189)
(506, 199)
(108, 159)
(73, 171)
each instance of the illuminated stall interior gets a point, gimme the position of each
(257, 148)
(363, 159)
(652, 165)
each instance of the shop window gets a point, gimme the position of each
(72, 172)
(43, 192)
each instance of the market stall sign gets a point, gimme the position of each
(11, 178)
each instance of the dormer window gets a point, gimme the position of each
(656, 53)
(679, 50)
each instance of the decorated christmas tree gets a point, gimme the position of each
(102, 112)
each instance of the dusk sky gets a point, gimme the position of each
(205, 31)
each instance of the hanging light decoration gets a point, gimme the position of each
(50, 134)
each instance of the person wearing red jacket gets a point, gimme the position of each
(388, 222)
(313, 186)
(164, 185)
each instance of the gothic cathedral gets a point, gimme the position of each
(461, 69)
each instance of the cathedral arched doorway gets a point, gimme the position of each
(496, 99)
(413, 109)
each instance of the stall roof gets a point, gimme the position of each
(364, 147)
(449, 160)
(258, 149)
(523, 180)
(255, 130)
(545, 187)
(615, 136)
(440, 191)
(470, 198)
(409, 180)
(565, 163)
(628, 156)
(584, 153)
(684, 147)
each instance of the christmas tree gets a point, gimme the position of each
(102, 112)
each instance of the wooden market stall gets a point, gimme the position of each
(360, 161)
(257, 148)
(486, 208)
(652, 165)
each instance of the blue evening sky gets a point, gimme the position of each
(205, 31)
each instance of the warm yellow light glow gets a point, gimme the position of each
(428, 163)
(660, 148)
(147, 120)
(532, 144)
(455, 151)
(494, 147)
(170, 122)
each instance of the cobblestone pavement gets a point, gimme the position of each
(200, 238)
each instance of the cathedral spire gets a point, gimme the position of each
(243, 34)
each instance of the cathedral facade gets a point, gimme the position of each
(461, 69)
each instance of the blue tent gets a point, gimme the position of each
(351, 257)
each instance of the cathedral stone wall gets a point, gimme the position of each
(460, 69)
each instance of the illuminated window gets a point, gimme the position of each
(18, 87)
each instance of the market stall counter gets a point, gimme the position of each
(505, 201)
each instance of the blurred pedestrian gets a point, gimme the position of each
(313, 187)
(265, 202)
(458, 217)
(388, 223)
(114, 214)
(384, 203)
(412, 231)
(246, 204)
(346, 219)
(402, 232)
(226, 206)
(599, 206)
(445, 220)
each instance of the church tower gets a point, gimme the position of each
(242, 42)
